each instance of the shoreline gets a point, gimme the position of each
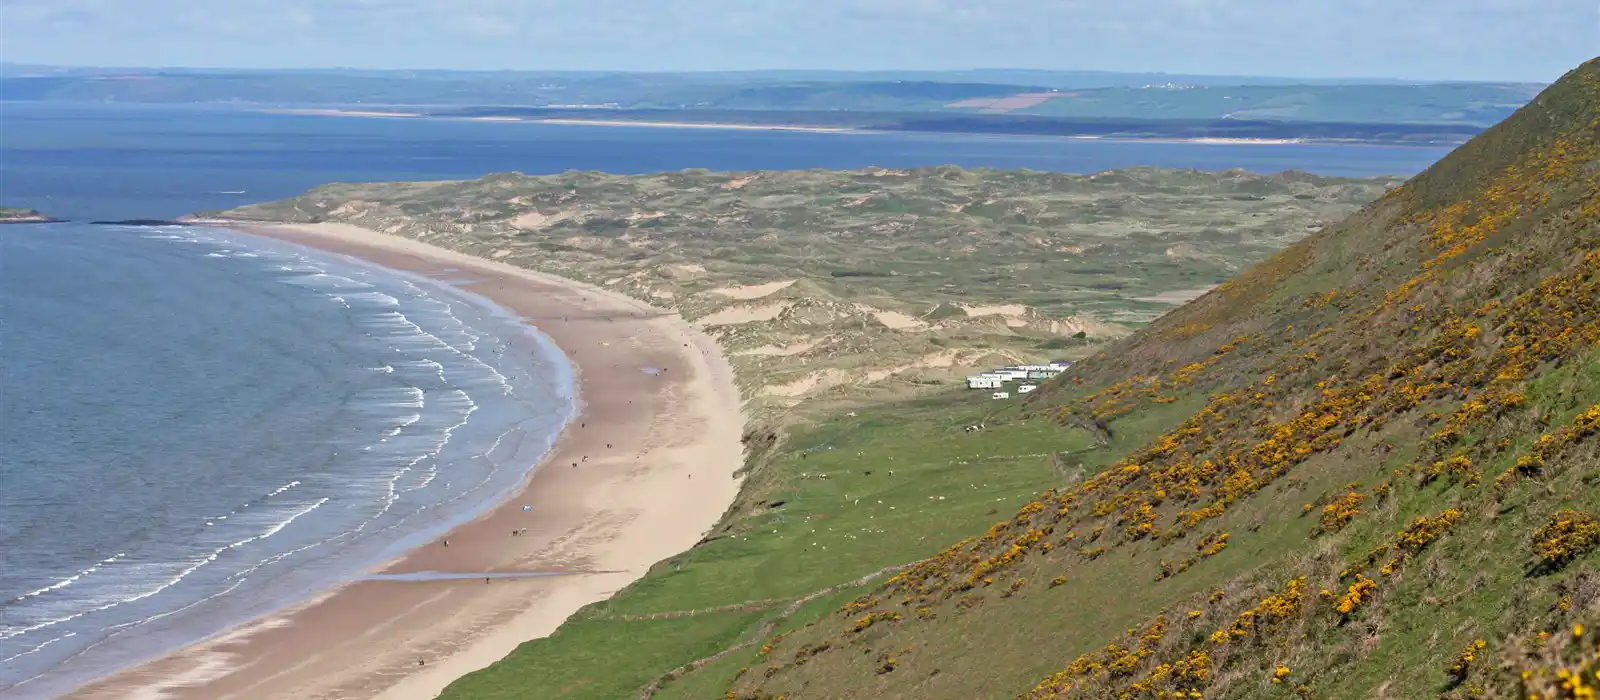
(615, 494)
(656, 124)
(673, 125)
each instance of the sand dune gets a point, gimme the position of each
(754, 291)
(735, 315)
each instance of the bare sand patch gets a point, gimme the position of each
(693, 125)
(996, 310)
(754, 291)
(351, 207)
(810, 383)
(782, 350)
(735, 315)
(1077, 324)
(895, 320)
(942, 359)
(822, 380)
(533, 220)
(1178, 297)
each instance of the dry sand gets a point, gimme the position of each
(736, 315)
(662, 453)
(754, 291)
(693, 125)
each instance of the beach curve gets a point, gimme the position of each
(646, 467)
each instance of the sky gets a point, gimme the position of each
(1517, 40)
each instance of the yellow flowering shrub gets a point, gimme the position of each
(1339, 513)
(1568, 535)
(1461, 667)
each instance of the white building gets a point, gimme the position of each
(1002, 395)
(1027, 388)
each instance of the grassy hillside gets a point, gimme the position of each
(1368, 467)
(848, 284)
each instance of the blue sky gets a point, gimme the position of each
(1534, 40)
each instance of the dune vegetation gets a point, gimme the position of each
(869, 284)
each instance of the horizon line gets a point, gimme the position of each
(1358, 80)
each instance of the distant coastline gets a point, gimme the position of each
(675, 125)
(654, 124)
(1143, 133)
(26, 216)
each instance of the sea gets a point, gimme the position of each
(198, 426)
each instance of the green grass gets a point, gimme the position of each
(598, 658)
(930, 482)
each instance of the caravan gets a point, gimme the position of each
(985, 381)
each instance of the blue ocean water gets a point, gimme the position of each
(201, 427)
(123, 161)
(197, 427)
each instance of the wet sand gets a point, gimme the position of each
(643, 472)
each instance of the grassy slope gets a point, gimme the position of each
(1400, 365)
(836, 523)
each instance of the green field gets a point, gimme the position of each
(810, 518)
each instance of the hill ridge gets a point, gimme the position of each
(1307, 448)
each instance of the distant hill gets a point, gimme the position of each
(10, 215)
(1062, 94)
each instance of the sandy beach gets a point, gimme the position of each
(692, 125)
(643, 472)
(369, 114)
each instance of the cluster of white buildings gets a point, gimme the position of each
(1027, 377)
